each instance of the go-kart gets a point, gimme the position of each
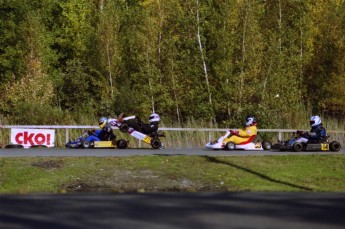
(128, 125)
(82, 143)
(322, 145)
(253, 143)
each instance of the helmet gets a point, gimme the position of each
(250, 121)
(315, 120)
(154, 118)
(102, 122)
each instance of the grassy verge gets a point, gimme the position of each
(173, 173)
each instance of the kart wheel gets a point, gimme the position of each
(297, 147)
(14, 146)
(124, 127)
(266, 145)
(121, 144)
(334, 146)
(85, 145)
(156, 143)
(230, 146)
(38, 146)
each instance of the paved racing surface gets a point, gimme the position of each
(243, 210)
(57, 152)
(174, 210)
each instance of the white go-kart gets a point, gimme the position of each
(253, 143)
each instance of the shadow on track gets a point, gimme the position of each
(215, 160)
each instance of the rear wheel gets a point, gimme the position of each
(297, 147)
(156, 143)
(14, 146)
(121, 144)
(266, 145)
(334, 146)
(230, 146)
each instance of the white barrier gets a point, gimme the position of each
(278, 131)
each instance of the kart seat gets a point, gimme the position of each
(251, 139)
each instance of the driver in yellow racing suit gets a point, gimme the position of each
(243, 135)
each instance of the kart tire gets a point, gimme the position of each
(156, 143)
(230, 146)
(38, 146)
(297, 147)
(121, 144)
(14, 146)
(124, 127)
(266, 145)
(334, 146)
(85, 145)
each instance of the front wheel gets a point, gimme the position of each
(156, 143)
(85, 145)
(230, 146)
(266, 145)
(334, 146)
(297, 146)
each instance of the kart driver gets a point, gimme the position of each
(146, 128)
(317, 133)
(243, 135)
(104, 134)
(152, 126)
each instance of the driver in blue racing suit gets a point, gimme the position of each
(104, 134)
(317, 134)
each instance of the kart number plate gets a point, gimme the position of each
(147, 139)
(258, 145)
(324, 147)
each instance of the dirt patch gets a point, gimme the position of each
(137, 181)
(48, 164)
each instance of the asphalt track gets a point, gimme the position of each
(62, 152)
(243, 210)
(203, 210)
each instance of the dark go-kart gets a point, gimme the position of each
(129, 125)
(82, 143)
(321, 145)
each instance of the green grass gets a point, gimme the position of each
(173, 173)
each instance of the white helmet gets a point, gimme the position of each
(154, 118)
(250, 120)
(315, 120)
